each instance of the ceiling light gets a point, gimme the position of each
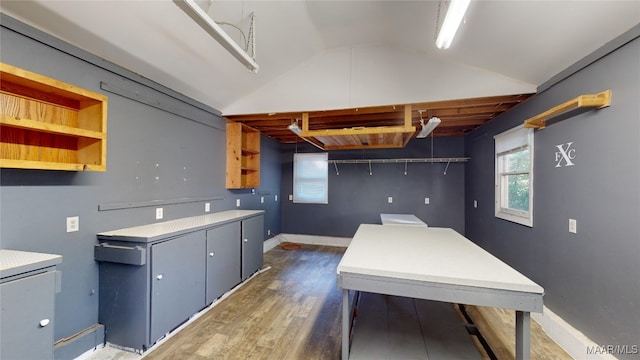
(201, 18)
(294, 128)
(455, 13)
(429, 126)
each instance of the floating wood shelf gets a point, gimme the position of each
(51, 125)
(243, 157)
(599, 100)
(360, 137)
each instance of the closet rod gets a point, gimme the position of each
(405, 160)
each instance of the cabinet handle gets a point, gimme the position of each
(44, 322)
(159, 277)
(211, 254)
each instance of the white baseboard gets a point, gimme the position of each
(307, 239)
(573, 341)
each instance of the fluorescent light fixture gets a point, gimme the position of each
(455, 13)
(428, 127)
(201, 18)
(294, 128)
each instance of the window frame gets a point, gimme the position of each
(323, 180)
(506, 143)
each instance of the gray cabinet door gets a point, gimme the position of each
(177, 281)
(252, 245)
(26, 305)
(223, 259)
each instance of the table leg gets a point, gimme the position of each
(346, 328)
(523, 335)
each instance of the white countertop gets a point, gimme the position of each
(401, 219)
(430, 254)
(14, 262)
(150, 232)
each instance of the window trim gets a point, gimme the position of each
(513, 215)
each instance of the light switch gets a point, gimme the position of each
(261, 199)
(390, 199)
(426, 201)
(237, 202)
(290, 197)
(573, 227)
(207, 207)
(475, 204)
(159, 213)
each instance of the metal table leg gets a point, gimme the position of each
(346, 328)
(523, 334)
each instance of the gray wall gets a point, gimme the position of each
(591, 278)
(355, 197)
(152, 155)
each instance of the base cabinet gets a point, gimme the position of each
(177, 282)
(151, 285)
(252, 245)
(223, 260)
(26, 329)
(28, 285)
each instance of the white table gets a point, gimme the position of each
(434, 264)
(401, 219)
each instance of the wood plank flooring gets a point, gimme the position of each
(293, 311)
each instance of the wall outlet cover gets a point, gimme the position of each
(159, 213)
(73, 223)
(207, 207)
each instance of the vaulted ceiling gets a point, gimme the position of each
(329, 58)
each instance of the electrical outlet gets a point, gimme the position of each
(261, 199)
(573, 226)
(475, 204)
(237, 202)
(269, 232)
(390, 199)
(73, 223)
(426, 201)
(290, 197)
(207, 207)
(159, 213)
(276, 198)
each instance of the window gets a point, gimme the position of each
(514, 175)
(311, 178)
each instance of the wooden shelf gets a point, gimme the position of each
(51, 125)
(599, 100)
(243, 157)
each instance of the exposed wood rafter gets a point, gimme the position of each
(364, 127)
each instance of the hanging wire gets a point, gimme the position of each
(446, 167)
(370, 173)
(337, 172)
(405, 168)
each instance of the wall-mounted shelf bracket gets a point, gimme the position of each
(599, 101)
